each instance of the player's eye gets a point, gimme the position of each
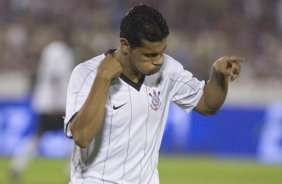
(151, 55)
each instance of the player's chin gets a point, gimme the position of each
(154, 70)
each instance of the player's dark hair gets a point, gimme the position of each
(143, 22)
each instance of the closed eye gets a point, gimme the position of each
(151, 55)
(155, 54)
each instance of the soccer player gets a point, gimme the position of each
(117, 102)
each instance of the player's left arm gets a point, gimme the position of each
(225, 70)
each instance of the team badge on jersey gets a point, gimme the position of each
(156, 101)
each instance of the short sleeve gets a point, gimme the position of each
(187, 90)
(78, 90)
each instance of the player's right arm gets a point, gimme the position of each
(225, 70)
(88, 122)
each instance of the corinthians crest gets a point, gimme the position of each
(156, 101)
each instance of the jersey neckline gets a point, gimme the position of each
(136, 86)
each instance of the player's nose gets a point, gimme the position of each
(158, 60)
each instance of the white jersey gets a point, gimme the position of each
(127, 150)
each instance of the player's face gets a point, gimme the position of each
(147, 59)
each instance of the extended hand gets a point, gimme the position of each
(229, 66)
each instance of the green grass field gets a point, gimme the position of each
(172, 170)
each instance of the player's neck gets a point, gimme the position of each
(128, 71)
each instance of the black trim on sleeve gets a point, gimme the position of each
(110, 51)
(68, 123)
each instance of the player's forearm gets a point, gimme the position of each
(215, 91)
(214, 94)
(89, 120)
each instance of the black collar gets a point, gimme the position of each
(137, 86)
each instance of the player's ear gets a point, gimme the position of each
(124, 44)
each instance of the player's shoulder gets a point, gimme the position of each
(88, 66)
(171, 66)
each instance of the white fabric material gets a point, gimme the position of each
(127, 150)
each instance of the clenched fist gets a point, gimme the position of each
(110, 67)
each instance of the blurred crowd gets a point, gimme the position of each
(201, 31)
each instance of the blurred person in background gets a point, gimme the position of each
(56, 62)
(118, 102)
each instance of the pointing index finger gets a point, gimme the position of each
(235, 58)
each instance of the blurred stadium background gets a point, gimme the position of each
(241, 144)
